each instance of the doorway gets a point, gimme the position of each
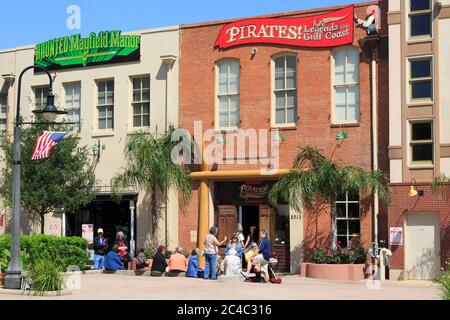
(248, 217)
(422, 256)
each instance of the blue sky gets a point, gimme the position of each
(28, 22)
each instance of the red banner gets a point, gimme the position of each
(324, 30)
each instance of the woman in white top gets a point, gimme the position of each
(211, 251)
(231, 265)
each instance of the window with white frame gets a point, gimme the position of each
(228, 94)
(73, 103)
(420, 18)
(346, 219)
(421, 79)
(141, 102)
(105, 104)
(421, 142)
(346, 85)
(40, 97)
(285, 89)
(3, 114)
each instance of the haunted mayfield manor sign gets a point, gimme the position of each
(75, 51)
(324, 30)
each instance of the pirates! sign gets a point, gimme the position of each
(325, 30)
(253, 191)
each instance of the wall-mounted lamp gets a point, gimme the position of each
(412, 191)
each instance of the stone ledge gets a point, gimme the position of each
(35, 293)
(127, 272)
(231, 279)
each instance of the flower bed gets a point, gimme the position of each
(337, 263)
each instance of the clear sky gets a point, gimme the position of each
(25, 22)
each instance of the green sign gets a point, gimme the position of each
(75, 51)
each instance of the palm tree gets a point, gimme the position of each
(314, 178)
(441, 184)
(150, 168)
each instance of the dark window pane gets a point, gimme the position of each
(421, 131)
(340, 210)
(421, 89)
(422, 152)
(341, 226)
(342, 240)
(417, 5)
(421, 24)
(353, 210)
(420, 68)
(353, 227)
(353, 196)
(136, 121)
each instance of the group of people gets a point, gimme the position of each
(241, 253)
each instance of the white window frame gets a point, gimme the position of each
(43, 97)
(4, 119)
(76, 127)
(273, 120)
(410, 100)
(131, 121)
(217, 125)
(335, 219)
(335, 121)
(97, 118)
(420, 164)
(408, 24)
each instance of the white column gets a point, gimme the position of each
(295, 240)
(132, 238)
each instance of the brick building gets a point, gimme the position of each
(303, 96)
(419, 139)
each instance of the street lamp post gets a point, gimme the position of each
(13, 277)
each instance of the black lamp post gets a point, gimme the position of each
(13, 277)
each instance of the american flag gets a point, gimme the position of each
(45, 142)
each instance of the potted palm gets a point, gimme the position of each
(314, 181)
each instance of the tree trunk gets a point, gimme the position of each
(154, 219)
(42, 222)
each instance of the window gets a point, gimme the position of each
(346, 86)
(141, 102)
(105, 104)
(228, 94)
(421, 142)
(285, 89)
(420, 18)
(73, 104)
(420, 79)
(40, 97)
(346, 219)
(3, 114)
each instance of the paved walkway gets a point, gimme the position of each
(107, 286)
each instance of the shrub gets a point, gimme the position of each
(45, 275)
(444, 281)
(149, 252)
(355, 253)
(65, 251)
(185, 252)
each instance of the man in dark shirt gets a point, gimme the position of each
(100, 247)
(265, 251)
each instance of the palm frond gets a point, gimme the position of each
(441, 185)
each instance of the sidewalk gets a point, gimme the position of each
(108, 286)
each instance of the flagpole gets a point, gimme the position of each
(13, 279)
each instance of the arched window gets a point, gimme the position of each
(346, 85)
(285, 89)
(227, 103)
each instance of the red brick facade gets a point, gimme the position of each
(197, 103)
(428, 203)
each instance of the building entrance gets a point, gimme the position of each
(248, 217)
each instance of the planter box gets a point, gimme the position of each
(352, 272)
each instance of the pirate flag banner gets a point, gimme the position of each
(324, 30)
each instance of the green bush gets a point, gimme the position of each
(65, 251)
(45, 275)
(353, 254)
(149, 252)
(444, 281)
(185, 252)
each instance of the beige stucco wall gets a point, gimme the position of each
(395, 80)
(394, 5)
(154, 44)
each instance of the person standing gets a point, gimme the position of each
(250, 239)
(211, 252)
(240, 236)
(100, 247)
